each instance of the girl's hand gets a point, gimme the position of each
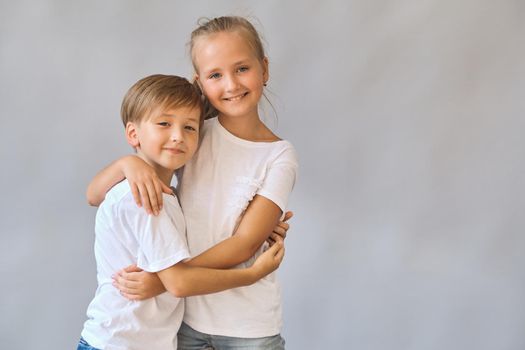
(270, 260)
(280, 230)
(146, 186)
(136, 284)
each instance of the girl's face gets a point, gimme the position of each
(229, 73)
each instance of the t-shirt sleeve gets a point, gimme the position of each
(280, 178)
(161, 245)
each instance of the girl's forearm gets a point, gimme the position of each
(104, 181)
(226, 254)
(255, 227)
(183, 281)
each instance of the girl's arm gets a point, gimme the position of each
(136, 284)
(145, 185)
(182, 280)
(256, 226)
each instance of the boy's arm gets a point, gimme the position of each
(182, 280)
(257, 224)
(145, 185)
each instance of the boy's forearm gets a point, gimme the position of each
(103, 182)
(182, 280)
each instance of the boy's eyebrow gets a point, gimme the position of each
(174, 116)
(193, 120)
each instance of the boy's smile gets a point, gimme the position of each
(166, 139)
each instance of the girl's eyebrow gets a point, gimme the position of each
(243, 61)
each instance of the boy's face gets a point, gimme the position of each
(168, 138)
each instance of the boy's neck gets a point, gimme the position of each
(165, 175)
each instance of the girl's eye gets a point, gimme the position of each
(242, 69)
(190, 128)
(163, 124)
(214, 76)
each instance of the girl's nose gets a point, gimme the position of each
(232, 83)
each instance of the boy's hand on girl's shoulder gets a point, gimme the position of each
(280, 229)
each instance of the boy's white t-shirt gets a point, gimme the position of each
(125, 235)
(215, 188)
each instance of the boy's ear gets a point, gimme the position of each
(131, 135)
(266, 72)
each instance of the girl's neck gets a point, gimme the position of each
(249, 128)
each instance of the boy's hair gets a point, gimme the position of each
(235, 24)
(159, 91)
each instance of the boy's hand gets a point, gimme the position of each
(136, 284)
(280, 230)
(270, 260)
(146, 186)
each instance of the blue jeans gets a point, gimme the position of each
(83, 345)
(190, 339)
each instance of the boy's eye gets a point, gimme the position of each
(214, 76)
(163, 124)
(190, 128)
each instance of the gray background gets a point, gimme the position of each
(408, 118)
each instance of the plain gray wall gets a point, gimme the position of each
(408, 118)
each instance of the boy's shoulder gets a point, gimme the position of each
(118, 193)
(121, 194)
(119, 208)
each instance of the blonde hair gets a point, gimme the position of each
(158, 91)
(236, 24)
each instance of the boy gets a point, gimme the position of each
(162, 115)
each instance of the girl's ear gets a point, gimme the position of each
(131, 135)
(266, 72)
(196, 81)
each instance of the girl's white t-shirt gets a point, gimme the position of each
(215, 188)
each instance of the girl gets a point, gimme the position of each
(232, 192)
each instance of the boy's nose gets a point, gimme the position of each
(177, 136)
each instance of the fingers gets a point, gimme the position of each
(136, 195)
(279, 255)
(132, 268)
(159, 189)
(281, 229)
(152, 197)
(288, 215)
(129, 284)
(127, 279)
(166, 189)
(273, 238)
(132, 296)
(276, 247)
(125, 286)
(144, 197)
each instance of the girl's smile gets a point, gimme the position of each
(236, 98)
